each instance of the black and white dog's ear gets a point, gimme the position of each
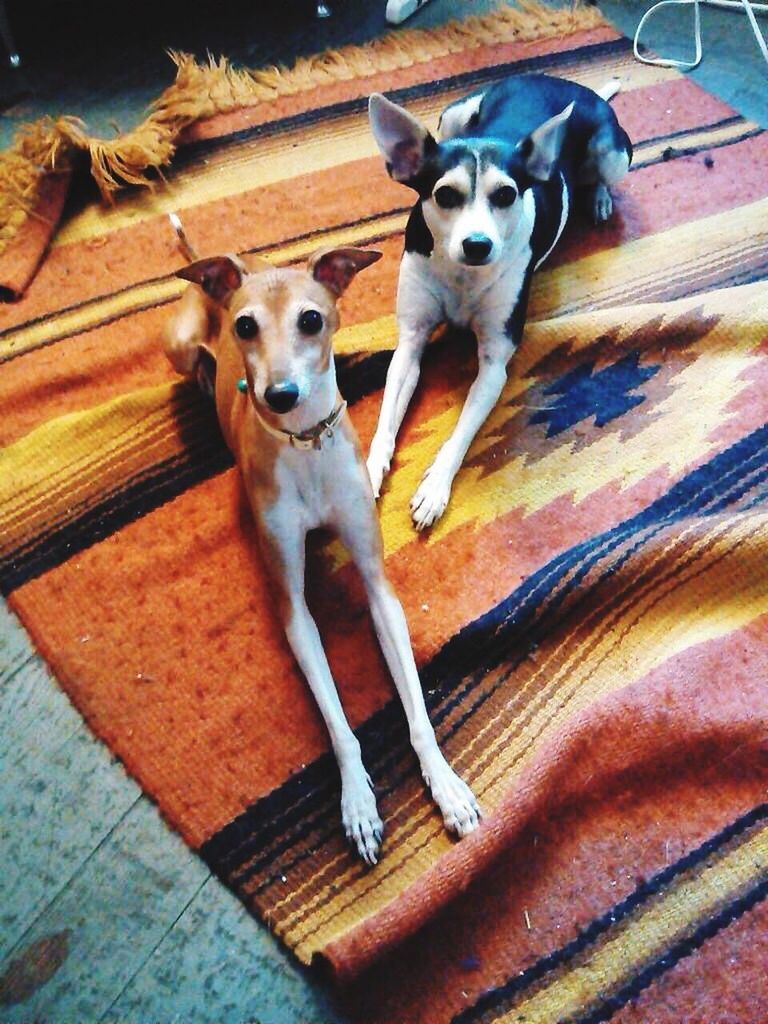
(542, 147)
(402, 139)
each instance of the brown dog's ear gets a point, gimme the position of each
(335, 268)
(218, 276)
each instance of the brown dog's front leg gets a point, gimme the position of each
(359, 532)
(284, 549)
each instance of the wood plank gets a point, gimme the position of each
(80, 952)
(60, 791)
(15, 649)
(217, 961)
(105, 913)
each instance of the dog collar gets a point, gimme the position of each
(311, 439)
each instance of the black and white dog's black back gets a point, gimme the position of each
(494, 194)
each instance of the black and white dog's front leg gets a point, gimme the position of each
(418, 313)
(497, 341)
(431, 498)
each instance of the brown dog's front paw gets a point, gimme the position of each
(359, 814)
(458, 806)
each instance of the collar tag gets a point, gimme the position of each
(312, 439)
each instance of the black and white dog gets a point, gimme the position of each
(494, 196)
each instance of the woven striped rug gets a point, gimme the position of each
(590, 617)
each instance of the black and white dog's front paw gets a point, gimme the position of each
(378, 462)
(431, 498)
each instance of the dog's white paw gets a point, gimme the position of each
(602, 203)
(430, 500)
(359, 814)
(378, 463)
(458, 806)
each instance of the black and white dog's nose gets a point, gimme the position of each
(282, 396)
(477, 248)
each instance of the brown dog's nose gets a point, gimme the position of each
(282, 396)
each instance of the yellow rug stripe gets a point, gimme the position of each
(645, 936)
(67, 464)
(624, 274)
(101, 311)
(133, 432)
(725, 592)
(234, 170)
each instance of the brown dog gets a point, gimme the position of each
(270, 331)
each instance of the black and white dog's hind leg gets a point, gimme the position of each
(608, 156)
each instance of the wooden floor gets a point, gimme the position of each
(105, 915)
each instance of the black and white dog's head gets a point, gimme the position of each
(471, 189)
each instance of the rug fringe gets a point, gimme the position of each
(201, 90)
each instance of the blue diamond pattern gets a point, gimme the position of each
(604, 395)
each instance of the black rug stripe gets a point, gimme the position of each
(486, 642)
(496, 1000)
(205, 457)
(587, 55)
(677, 952)
(671, 153)
(676, 152)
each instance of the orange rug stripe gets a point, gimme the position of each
(589, 617)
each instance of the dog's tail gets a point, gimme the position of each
(609, 90)
(184, 244)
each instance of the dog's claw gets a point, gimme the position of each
(364, 838)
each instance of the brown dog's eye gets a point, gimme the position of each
(310, 322)
(246, 327)
(503, 196)
(448, 198)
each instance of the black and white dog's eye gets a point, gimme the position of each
(246, 327)
(310, 322)
(503, 196)
(448, 198)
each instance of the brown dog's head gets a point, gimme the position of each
(282, 319)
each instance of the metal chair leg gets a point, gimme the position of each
(5, 35)
(398, 10)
